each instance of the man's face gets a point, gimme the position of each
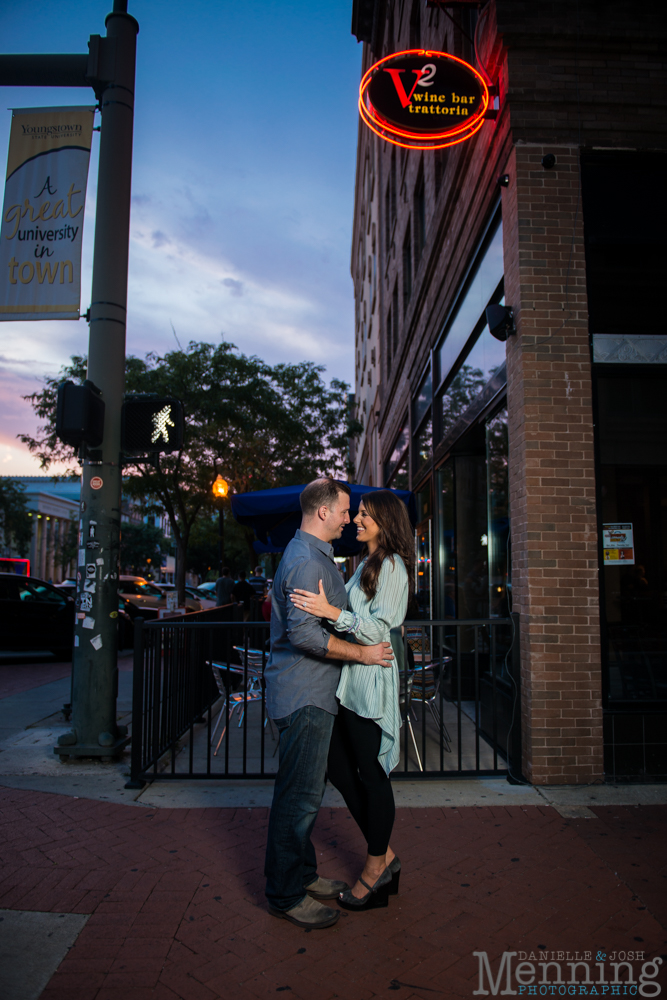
(337, 516)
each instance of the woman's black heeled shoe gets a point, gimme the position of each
(376, 897)
(395, 868)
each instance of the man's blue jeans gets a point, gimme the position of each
(291, 863)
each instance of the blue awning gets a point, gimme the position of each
(274, 515)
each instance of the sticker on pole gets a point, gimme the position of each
(97, 483)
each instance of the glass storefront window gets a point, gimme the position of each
(447, 549)
(423, 582)
(487, 354)
(397, 453)
(422, 400)
(480, 291)
(423, 443)
(473, 549)
(632, 445)
(635, 590)
(401, 478)
(498, 555)
(466, 385)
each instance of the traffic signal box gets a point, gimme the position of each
(151, 424)
(80, 414)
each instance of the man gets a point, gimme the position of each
(243, 594)
(301, 676)
(223, 587)
(258, 582)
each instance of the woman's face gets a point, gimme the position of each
(367, 528)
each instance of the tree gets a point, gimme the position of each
(69, 543)
(259, 426)
(141, 548)
(15, 523)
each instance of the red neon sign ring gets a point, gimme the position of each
(406, 88)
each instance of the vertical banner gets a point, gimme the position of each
(42, 215)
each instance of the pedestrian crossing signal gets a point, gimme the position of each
(151, 424)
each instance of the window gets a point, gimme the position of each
(33, 591)
(624, 226)
(398, 453)
(419, 201)
(422, 423)
(469, 312)
(407, 267)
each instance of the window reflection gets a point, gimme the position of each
(466, 385)
(424, 442)
(397, 453)
(480, 291)
(498, 555)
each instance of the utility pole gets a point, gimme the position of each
(95, 668)
(109, 68)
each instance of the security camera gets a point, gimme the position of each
(501, 321)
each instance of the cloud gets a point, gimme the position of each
(235, 287)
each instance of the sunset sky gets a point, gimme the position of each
(244, 157)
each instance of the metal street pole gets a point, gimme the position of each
(221, 543)
(94, 669)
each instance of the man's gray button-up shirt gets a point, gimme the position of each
(297, 673)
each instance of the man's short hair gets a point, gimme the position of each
(224, 571)
(258, 570)
(322, 493)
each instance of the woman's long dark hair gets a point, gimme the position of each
(396, 537)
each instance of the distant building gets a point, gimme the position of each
(53, 506)
(527, 457)
(54, 509)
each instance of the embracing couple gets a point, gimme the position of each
(332, 686)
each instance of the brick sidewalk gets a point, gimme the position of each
(178, 911)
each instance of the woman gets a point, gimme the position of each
(365, 741)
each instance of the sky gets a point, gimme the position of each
(245, 137)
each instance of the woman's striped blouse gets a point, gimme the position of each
(372, 692)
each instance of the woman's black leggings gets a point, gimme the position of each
(354, 769)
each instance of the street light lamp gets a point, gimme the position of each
(220, 490)
(220, 487)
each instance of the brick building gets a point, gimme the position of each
(527, 456)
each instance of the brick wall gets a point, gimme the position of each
(552, 472)
(571, 73)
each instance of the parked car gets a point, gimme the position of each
(67, 587)
(143, 594)
(35, 615)
(195, 593)
(206, 594)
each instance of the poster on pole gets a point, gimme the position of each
(618, 544)
(42, 215)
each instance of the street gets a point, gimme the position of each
(163, 887)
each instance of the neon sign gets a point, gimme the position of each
(421, 99)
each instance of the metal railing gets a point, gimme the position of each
(199, 708)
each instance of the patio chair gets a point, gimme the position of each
(249, 670)
(404, 701)
(426, 690)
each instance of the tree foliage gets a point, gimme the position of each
(141, 548)
(15, 524)
(257, 425)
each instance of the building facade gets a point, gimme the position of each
(53, 507)
(540, 464)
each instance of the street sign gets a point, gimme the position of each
(151, 424)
